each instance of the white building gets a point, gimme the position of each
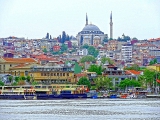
(74, 42)
(82, 52)
(126, 52)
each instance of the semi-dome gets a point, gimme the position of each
(96, 37)
(91, 27)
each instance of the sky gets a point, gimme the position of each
(34, 18)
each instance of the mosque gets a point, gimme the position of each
(92, 35)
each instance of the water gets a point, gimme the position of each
(80, 109)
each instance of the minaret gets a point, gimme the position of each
(111, 26)
(86, 19)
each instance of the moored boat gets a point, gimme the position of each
(17, 93)
(60, 92)
(43, 92)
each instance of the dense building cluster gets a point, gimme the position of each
(51, 60)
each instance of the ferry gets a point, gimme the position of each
(17, 93)
(43, 92)
(60, 92)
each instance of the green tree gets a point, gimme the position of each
(154, 61)
(63, 37)
(77, 68)
(14, 84)
(85, 46)
(104, 59)
(10, 79)
(103, 83)
(119, 39)
(87, 59)
(45, 50)
(28, 78)
(57, 52)
(84, 81)
(133, 67)
(142, 81)
(95, 68)
(34, 83)
(17, 78)
(129, 83)
(105, 39)
(23, 78)
(134, 38)
(64, 48)
(1, 83)
(92, 51)
(150, 77)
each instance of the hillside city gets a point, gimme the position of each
(90, 54)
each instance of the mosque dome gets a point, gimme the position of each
(91, 27)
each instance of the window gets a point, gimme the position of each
(15, 73)
(67, 74)
(63, 74)
(3, 67)
(26, 73)
(41, 74)
(60, 74)
(10, 65)
(54, 74)
(0, 67)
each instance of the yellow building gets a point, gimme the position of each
(53, 74)
(154, 67)
(112, 45)
(13, 65)
(22, 69)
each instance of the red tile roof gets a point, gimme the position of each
(21, 65)
(133, 72)
(20, 60)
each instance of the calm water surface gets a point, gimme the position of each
(80, 109)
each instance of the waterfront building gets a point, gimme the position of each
(22, 69)
(117, 76)
(7, 63)
(53, 74)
